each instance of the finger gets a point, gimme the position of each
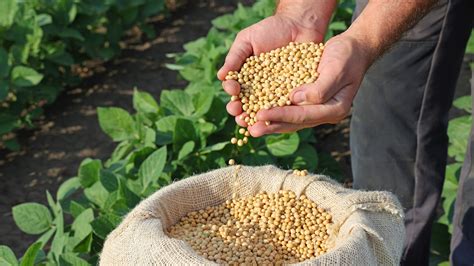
(260, 128)
(239, 51)
(234, 108)
(323, 89)
(232, 87)
(240, 120)
(330, 112)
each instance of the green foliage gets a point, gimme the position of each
(40, 41)
(470, 44)
(458, 133)
(117, 123)
(7, 257)
(341, 19)
(32, 218)
(188, 132)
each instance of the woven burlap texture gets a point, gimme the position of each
(368, 226)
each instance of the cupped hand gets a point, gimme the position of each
(271, 33)
(328, 100)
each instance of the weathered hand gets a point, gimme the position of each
(271, 33)
(328, 100)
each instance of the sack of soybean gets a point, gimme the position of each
(259, 215)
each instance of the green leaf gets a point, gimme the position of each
(71, 259)
(59, 243)
(338, 26)
(12, 144)
(25, 77)
(89, 172)
(46, 237)
(85, 245)
(117, 123)
(259, 158)
(43, 19)
(224, 22)
(202, 102)
(3, 89)
(30, 255)
(53, 205)
(330, 167)
(68, 187)
(306, 157)
(109, 180)
(76, 208)
(4, 64)
(7, 123)
(195, 47)
(104, 224)
(8, 10)
(458, 132)
(32, 218)
(449, 193)
(70, 33)
(62, 58)
(470, 44)
(97, 194)
(152, 167)
(178, 102)
(144, 102)
(187, 148)
(464, 103)
(215, 147)
(184, 131)
(122, 149)
(163, 138)
(174, 66)
(8, 257)
(440, 238)
(82, 225)
(167, 123)
(152, 8)
(283, 144)
(149, 137)
(218, 118)
(140, 155)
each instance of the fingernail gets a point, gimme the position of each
(299, 97)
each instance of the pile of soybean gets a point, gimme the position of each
(266, 80)
(268, 228)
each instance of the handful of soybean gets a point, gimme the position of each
(267, 80)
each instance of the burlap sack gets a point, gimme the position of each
(368, 229)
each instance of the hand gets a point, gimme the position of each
(271, 33)
(328, 100)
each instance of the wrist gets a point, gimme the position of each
(307, 15)
(370, 48)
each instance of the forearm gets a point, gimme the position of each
(382, 23)
(308, 14)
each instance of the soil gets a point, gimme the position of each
(71, 132)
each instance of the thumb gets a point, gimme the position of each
(318, 92)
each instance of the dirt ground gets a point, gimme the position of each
(71, 132)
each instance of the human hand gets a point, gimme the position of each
(271, 33)
(328, 100)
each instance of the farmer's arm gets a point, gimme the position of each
(344, 62)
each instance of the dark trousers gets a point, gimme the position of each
(399, 123)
